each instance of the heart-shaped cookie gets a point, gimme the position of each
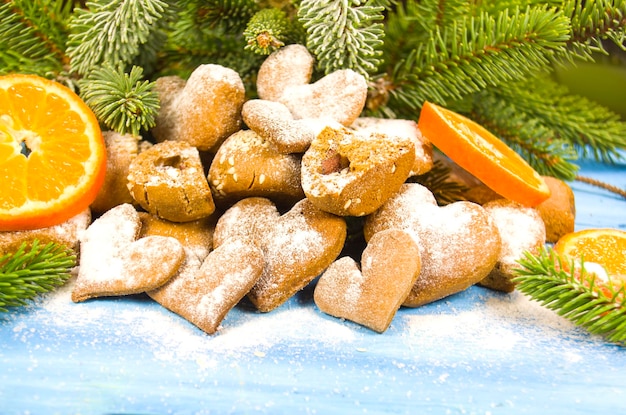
(204, 293)
(459, 243)
(349, 174)
(204, 110)
(371, 296)
(114, 262)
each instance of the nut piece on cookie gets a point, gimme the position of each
(297, 248)
(204, 293)
(459, 243)
(114, 262)
(559, 210)
(246, 165)
(274, 122)
(121, 150)
(372, 295)
(195, 236)
(349, 174)
(168, 181)
(67, 233)
(521, 229)
(204, 110)
(400, 128)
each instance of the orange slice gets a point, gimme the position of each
(483, 155)
(597, 247)
(52, 155)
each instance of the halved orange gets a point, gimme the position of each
(52, 154)
(604, 247)
(482, 154)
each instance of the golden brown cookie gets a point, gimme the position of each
(249, 220)
(246, 165)
(559, 210)
(301, 244)
(400, 128)
(204, 294)
(168, 181)
(353, 175)
(521, 230)
(372, 295)
(67, 233)
(289, 66)
(459, 243)
(195, 236)
(204, 110)
(121, 150)
(114, 262)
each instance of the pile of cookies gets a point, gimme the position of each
(237, 198)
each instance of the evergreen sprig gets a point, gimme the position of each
(267, 31)
(437, 180)
(124, 102)
(573, 293)
(343, 34)
(31, 271)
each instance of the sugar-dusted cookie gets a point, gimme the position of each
(372, 295)
(202, 111)
(289, 66)
(559, 210)
(114, 262)
(521, 229)
(246, 165)
(297, 247)
(204, 293)
(67, 233)
(400, 128)
(350, 174)
(195, 236)
(459, 243)
(168, 181)
(121, 150)
(250, 220)
(273, 121)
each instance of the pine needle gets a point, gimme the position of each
(33, 270)
(574, 293)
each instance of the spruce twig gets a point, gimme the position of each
(572, 292)
(31, 271)
(601, 184)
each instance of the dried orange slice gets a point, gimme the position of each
(52, 155)
(602, 247)
(483, 155)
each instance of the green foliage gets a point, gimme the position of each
(31, 271)
(124, 102)
(267, 31)
(573, 294)
(343, 34)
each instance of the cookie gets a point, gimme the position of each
(349, 174)
(202, 111)
(114, 262)
(289, 66)
(121, 150)
(559, 210)
(246, 165)
(249, 220)
(459, 243)
(400, 128)
(521, 230)
(372, 295)
(168, 181)
(195, 236)
(297, 246)
(203, 293)
(67, 233)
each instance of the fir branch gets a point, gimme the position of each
(115, 32)
(437, 180)
(121, 101)
(29, 272)
(573, 293)
(475, 53)
(33, 36)
(344, 34)
(267, 31)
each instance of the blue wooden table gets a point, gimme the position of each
(478, 352)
